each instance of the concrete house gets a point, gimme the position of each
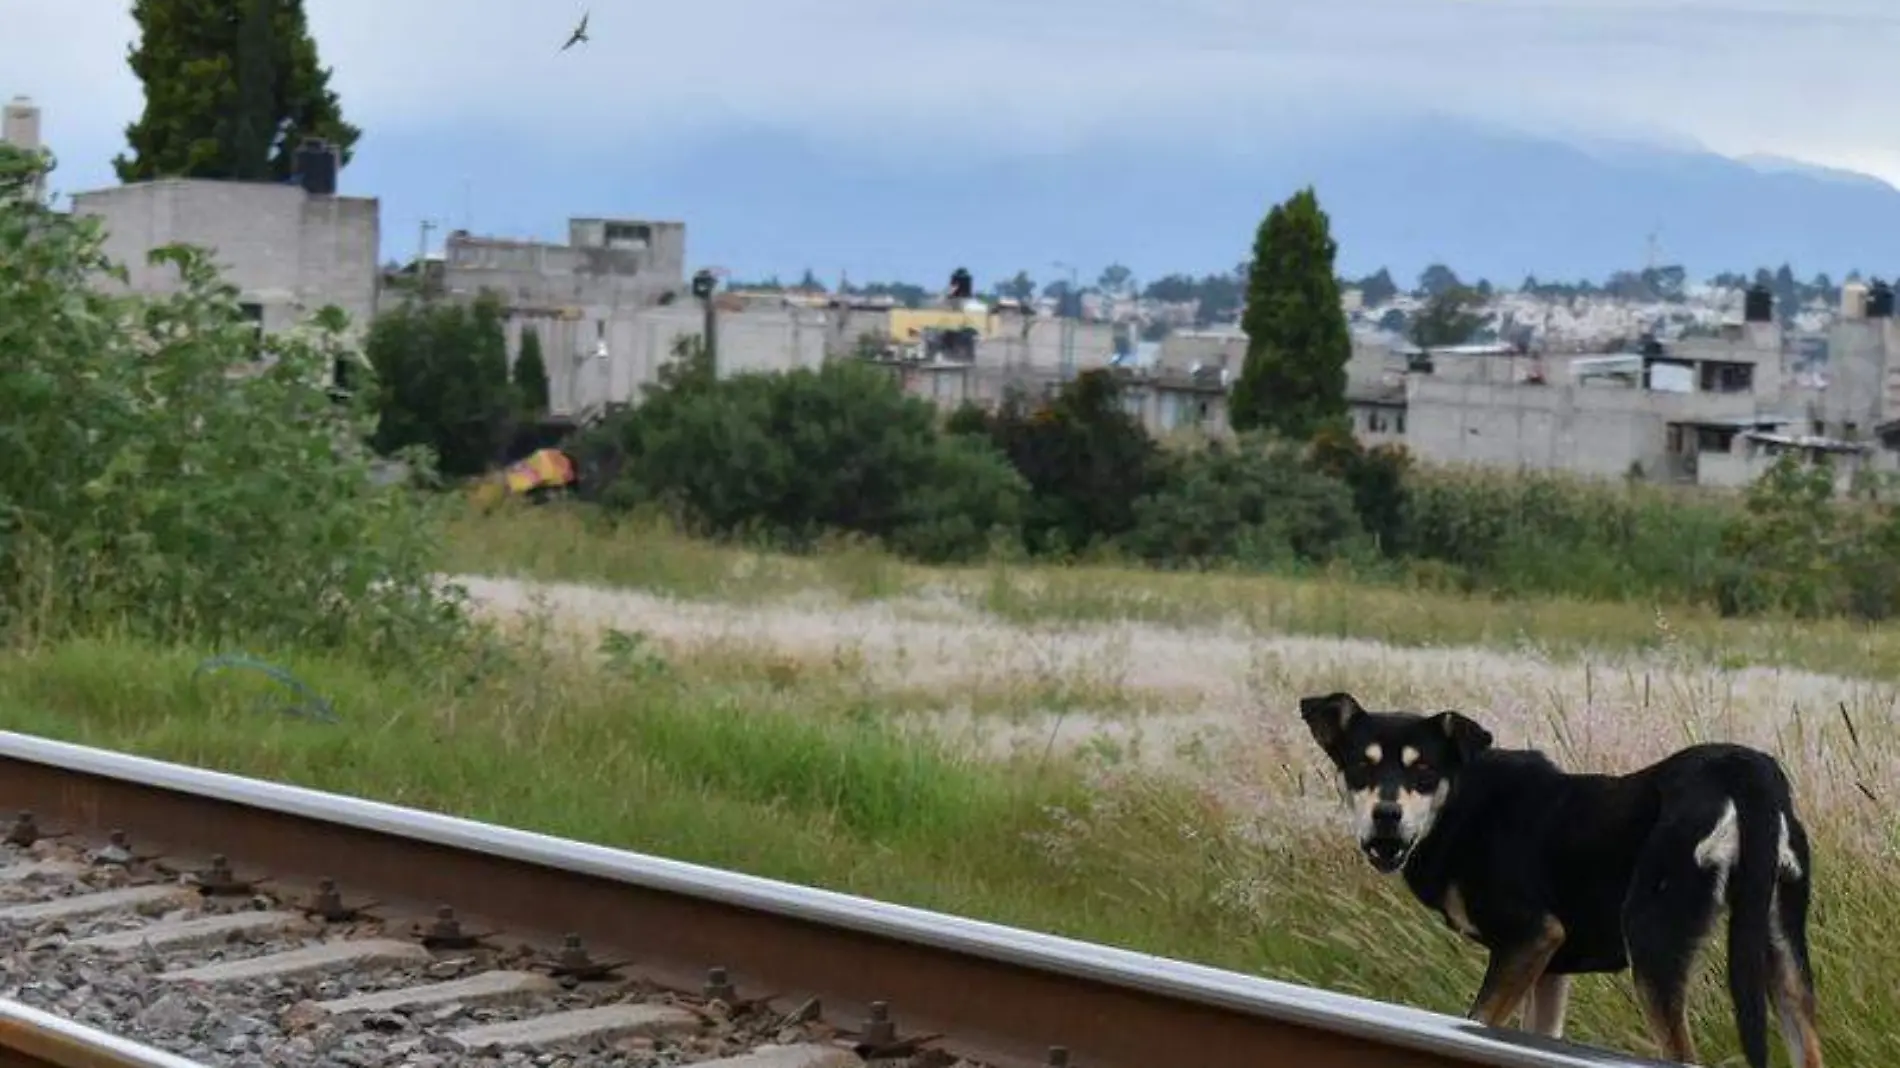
(289, 248)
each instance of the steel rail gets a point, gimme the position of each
(999, 992)
(30, 1038)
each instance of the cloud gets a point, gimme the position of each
(1803, 80)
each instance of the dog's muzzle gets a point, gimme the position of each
(1386, 854)
(1385, 848)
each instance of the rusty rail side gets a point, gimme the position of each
(1001, 993)
(30, 1038)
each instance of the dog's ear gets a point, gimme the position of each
(1328, 716)
(1467, 738)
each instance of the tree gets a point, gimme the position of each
(442, 377)
(531, 373)
(1020, 288)
(1068, 299)
(1294, 377)
(1436, 279)
(1449, 318)
(808, 452)
(230, 91)
(1377, 288)
(169, 500)
(1085, 459)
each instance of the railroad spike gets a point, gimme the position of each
(219, 880)
(879, 1028)
(573, 965)
(719, 986)
(327, 904)
(446, 932)
(117, 851)
(25, 830)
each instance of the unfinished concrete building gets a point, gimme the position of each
(289, 248)
(1704, 411)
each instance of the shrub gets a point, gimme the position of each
(1085, 460)
(1795, 549)
(1258, 503)
(442, 370)
(1547, 532)
(162, 482)
(797, 455)
(1379, 479)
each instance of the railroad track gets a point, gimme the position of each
(227, 921)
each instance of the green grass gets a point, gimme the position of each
(788, 776)
(570, 545)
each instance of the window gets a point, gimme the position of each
(1723, 377)
(628, 235)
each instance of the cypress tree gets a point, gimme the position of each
(1294, 378)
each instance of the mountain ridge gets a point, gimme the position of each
(1489, 202)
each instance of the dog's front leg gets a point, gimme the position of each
(1516, 965)
(1544, 1009)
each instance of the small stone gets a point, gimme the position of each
(172, 1012)
(302, 1016)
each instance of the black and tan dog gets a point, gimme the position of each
(1558, 874)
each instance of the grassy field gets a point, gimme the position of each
(1102, 753)
(574, 546)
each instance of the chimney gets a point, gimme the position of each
(317, 164)
(20, 126)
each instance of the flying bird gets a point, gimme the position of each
(579, 35)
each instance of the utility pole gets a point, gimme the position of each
(703, 285)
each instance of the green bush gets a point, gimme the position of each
(1380, 481)
(798, 455)
(1545, 532)
(160, 480)
(442, 373)
(1258, 503)
(1085, 460)
(1797, 550)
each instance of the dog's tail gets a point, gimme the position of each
(1751, 899)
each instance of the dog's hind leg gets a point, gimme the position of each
(1791, 977)
(1544, 1009)
(1673, 898)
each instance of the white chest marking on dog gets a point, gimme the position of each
(1784, 853)
(1455, 915)
(1718, 850)
(1374, 754)
(1408, 756)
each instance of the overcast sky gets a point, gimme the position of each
(985, 80)
(1814, 80)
